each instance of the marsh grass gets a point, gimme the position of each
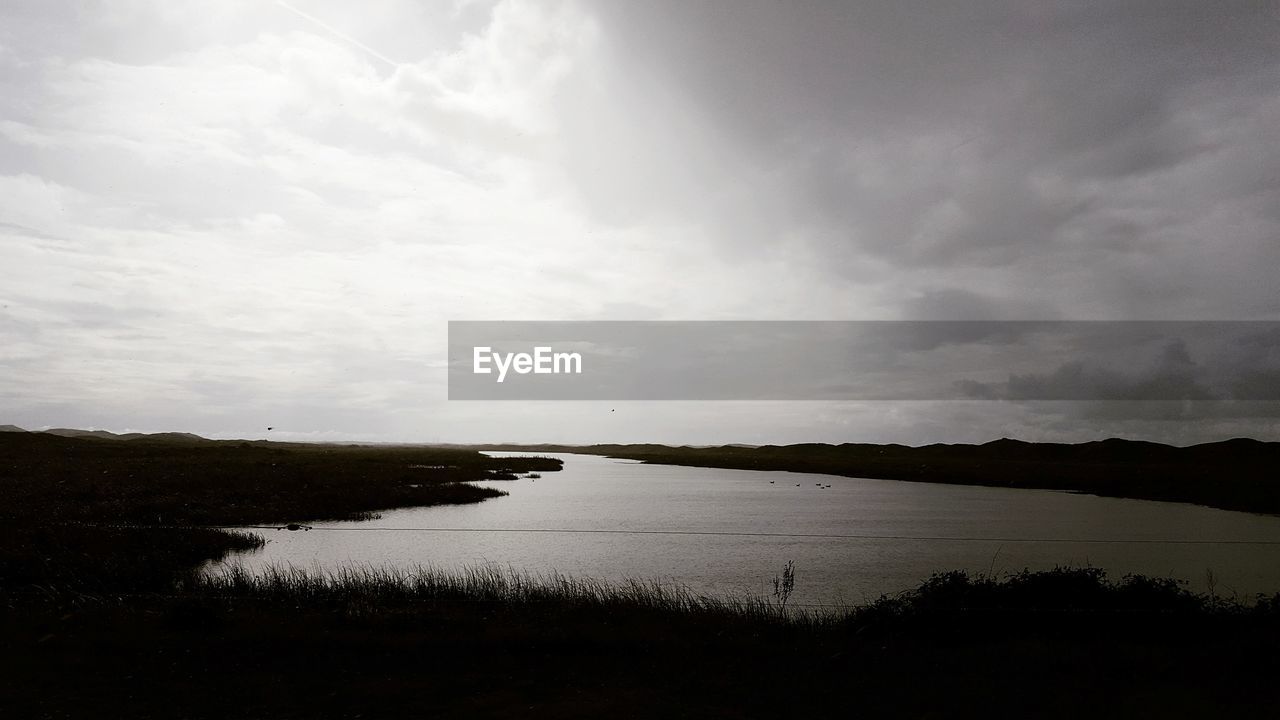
(957, 596)
(485, 584)
(492, 642)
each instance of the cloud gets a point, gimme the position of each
(1170, 394)
(208, 211)
(1068, 155)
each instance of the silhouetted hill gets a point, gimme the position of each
(47, 478)
(74, 433)
(165, 437)
(106, 435)
(1234, 474)
(11, 428)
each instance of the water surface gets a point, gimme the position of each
(916, 524)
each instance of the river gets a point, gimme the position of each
(728, 532)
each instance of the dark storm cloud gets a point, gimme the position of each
(1175, 378)
(1233, 374)
(1048, 139)
(1039, 79)
(967, 305)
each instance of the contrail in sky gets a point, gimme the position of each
(337, 33)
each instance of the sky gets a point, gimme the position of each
(219, 217)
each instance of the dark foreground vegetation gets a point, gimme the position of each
(109, 514)
(1236, 474)
(1062, 644)
(104, 615)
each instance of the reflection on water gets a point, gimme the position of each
(917, 524)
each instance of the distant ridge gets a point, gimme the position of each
(1236, 474)
(105, 435)
(72, 432)
(184, 437)
(11, 428)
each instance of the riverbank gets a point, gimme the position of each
(1235, 474)
(101, 515)
(106, 616)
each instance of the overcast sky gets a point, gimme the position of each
(223, 216)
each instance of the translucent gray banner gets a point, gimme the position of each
(865, 360)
